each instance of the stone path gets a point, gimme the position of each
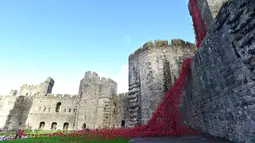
(201, 138)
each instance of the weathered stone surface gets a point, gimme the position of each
(18, 115)
(152, 70)
(219, 94)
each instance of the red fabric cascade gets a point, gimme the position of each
(165, 120)
(198, 23)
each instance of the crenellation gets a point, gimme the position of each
(163, 45)
(178, 42)
(160, 43)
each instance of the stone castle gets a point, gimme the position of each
(33, 106)
(218, 96)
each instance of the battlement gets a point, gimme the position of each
(60, 96)
(163, 43)
(90, 74)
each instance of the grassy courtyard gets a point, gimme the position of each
(43, 136)
(65, 139)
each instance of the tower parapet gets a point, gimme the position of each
(175, 44)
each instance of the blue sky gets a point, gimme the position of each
(65, 38)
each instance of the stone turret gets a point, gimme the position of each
(153, 68)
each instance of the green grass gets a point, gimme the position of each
(28, 132)
(67, 139)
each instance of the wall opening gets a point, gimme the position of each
(84, 126)
(58, 106)
(53, 126)
(41, 125)
(65, 126)
(123, 123)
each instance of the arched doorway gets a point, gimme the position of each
(53, 126)
(58, 105)
(65, 126)
(84, 126)
(41, 125)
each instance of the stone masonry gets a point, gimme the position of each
(219, 96)
(96, 105)
(153, 68)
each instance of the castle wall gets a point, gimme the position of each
(220, 91)
(18, 114)
(44, 110)
(152, 70)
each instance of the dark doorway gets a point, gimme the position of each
(123, 123)
(41, 125)
(53, 126)
(84, 126)
(65, 126)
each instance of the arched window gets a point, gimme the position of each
(53, 126)
(65, 126)
(41, 125)
(84, 126)
(58, 106)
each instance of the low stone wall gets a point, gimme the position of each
(219, 96)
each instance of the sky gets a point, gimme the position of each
(65, 38)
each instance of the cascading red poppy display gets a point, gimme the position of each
(198, 23)
(166, 119)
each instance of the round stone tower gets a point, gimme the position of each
(153, 68)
